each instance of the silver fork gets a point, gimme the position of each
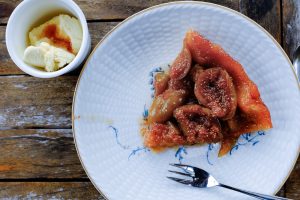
(203, 179)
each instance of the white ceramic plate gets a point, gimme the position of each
(114, 89)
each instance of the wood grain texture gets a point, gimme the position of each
(269, 19)
(293, 183)
(6, 8)
(39, 153)
(291, 25)
(28, 102)
(51, 154)
(54, 190)
(266, 13)
(48, 190)
(97, 31)
(290, 41)
(7, 66)
(107, 9)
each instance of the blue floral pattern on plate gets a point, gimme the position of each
(181, 151)
(247, 139)
(134, 151)
(138, 150)
(244, 140)
(116, 132)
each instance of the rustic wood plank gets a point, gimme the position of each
(107, 9)
(291, 35)
(28, 102)
(269, 19)
(53, 190)
(7, 66)
(293, 183)
(34, 154)
(266, 13)
(116, 10)
(48, 190)
(6, 8)
(39, 153)
(233, 4)
(28, 154)
(291, 25)
(97, 31)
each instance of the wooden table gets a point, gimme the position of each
(37, 153)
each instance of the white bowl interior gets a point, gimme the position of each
(114, 88)
(31, 13)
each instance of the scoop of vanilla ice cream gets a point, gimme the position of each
(47, 56)
(64, 29)
(49, 60)
(35, 56)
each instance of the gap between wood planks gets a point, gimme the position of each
(60, 180)
(48, 190)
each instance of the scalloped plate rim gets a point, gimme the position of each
(143, 12)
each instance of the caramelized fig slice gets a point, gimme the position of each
(164, 104)
(183, 84)
(195, 71)
(226, 145)
(198, 125)
(161, 83)
(182, 64)
(214, 89)
(163, 135)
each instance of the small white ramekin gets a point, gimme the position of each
(26, 15)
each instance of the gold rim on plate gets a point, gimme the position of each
(152, 8)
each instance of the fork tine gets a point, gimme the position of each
(187, 168)
(180, 165)
(186, 182)
(181, 173)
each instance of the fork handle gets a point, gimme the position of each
(253, 194)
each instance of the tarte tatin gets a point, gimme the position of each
(205, 97)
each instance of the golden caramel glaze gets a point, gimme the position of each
(214, 89)
(198, 124)
(249, 102)
(182, 64)
(161, 81)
